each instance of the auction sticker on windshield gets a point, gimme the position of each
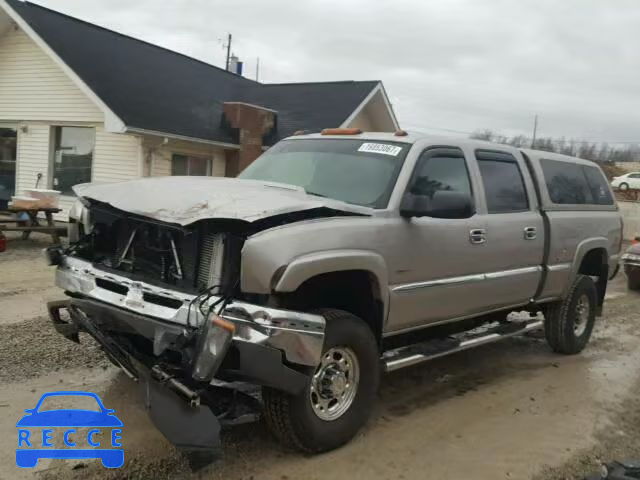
(382, 148)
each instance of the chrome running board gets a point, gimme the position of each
(421, 352)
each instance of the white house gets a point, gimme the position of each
(81, 103)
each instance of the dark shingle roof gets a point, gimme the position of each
(153, 88)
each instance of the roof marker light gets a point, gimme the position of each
(341, 131)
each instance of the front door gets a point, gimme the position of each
(435, 273)
(634, 180)
(8, 157)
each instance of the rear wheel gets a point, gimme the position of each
(568, 323)
(339, 394)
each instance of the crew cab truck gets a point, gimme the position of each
(334, 257)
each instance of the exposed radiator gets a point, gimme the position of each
(211, 260)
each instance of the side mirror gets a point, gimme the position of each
(443, 204)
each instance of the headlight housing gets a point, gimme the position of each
(212, 346)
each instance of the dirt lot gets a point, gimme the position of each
(511, 410)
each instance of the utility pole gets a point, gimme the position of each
(258, 69)
(535, 131)
(228, 52)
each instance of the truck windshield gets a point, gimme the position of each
(362, 172)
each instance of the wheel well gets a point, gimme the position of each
(355, 291)
(595, 264)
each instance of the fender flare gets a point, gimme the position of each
(310, 265)
(581, 251)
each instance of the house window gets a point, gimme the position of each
(72, 157)
(188, 165)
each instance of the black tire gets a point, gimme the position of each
(292, 418)
(623, 186)
(562, 319)
(633, 279)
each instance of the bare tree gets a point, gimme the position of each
(598, 152)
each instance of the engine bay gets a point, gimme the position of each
(193, 259)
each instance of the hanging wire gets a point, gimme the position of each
(208, 293)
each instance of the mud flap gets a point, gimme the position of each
(194, 430)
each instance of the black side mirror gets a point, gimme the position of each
(443, 204)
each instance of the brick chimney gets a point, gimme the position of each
(253, 122)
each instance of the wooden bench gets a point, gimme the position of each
(32, 223)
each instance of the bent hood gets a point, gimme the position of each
(185, 200)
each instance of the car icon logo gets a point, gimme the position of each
(33, 447)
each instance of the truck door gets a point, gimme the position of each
(436, 271)
(513, 236)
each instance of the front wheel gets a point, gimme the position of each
(568, 323)
(339, 395)
(623, 186)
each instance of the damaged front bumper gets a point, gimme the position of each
(268, 347)
(300, 336)
(174, 407)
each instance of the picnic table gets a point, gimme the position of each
(32, 222)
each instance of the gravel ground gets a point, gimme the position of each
(510, 410)
(22, 355)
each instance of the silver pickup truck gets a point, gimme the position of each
(332, 258)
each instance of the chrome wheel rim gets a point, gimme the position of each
(582, 315)
(335, 383)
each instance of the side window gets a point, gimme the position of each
(441, 169)
(566, 183)
(598, 185)
(634, 175)
(503, 182)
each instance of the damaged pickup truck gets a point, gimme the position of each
(332, 258)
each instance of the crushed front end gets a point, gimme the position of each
(163, 301)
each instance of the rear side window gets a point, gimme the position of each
(503, 182)
(573, 184)
(598, 185)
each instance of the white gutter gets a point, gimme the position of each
(142, 131)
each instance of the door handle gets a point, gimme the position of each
(477, 236)
(530, 233)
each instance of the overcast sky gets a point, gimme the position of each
(446, 64)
